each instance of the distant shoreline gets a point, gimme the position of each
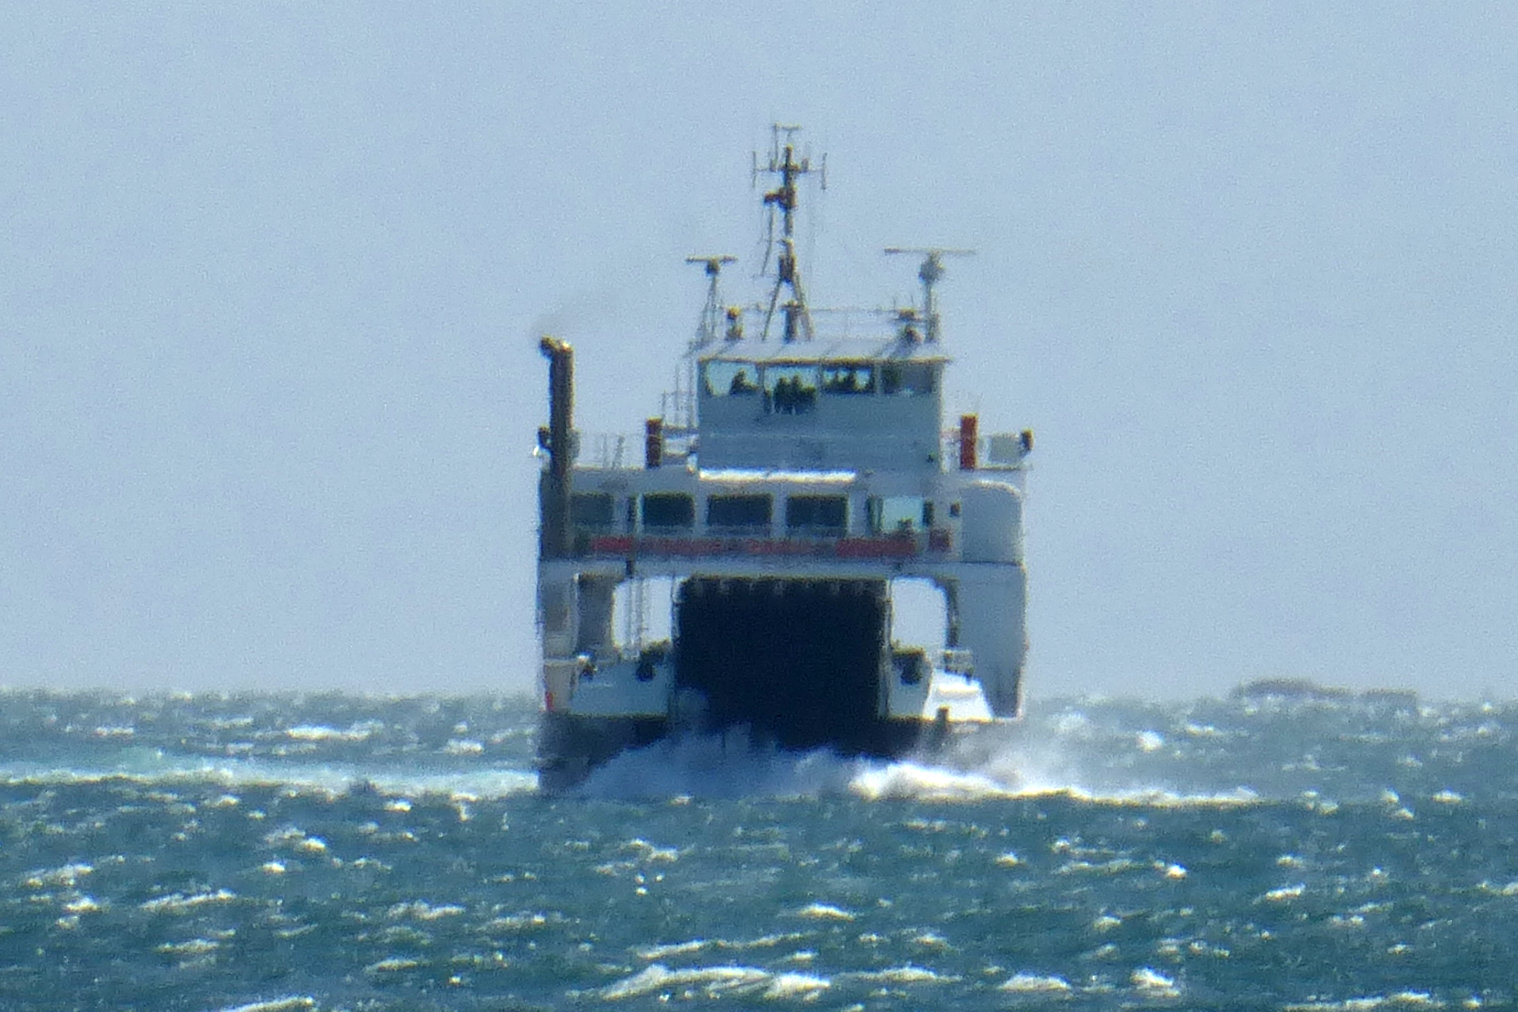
(1303, 688)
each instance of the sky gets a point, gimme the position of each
(274, 276)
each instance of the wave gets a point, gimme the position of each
(328, 780)
(730, 766)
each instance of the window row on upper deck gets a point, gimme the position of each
(749, 513)
(791, 384)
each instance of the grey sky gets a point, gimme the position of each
(274, 274)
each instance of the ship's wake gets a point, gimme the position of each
(1001, 763)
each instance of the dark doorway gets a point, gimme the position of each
(796, 660)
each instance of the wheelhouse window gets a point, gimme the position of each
(790, 389)
(591, 509)
(730, 379)
(820, 515)
(908, 379)
(738, 512)
(848, 378)
(668, 511)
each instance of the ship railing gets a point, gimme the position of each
(610, 451)
(996, 451)
(760, 541)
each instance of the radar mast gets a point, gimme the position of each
(930, 273)
(680, 405)
(711, 313)
(783, 163)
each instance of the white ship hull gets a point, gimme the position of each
(799, 483)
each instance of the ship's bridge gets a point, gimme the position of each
(849, 404)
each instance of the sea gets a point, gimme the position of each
(268, 853)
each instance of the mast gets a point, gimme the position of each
(782, 162)
(558, 439)
(711, 313)
(929, 274)
(684, 407)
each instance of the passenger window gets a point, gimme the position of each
(591, 509)
(790, 389)
(851, 378)
(725, 379)
(668, 510)
(740, 512)
(816, 514)
(907, 379)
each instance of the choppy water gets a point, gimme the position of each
(331, 852)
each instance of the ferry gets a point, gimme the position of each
(742, 567)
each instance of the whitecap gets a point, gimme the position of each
(180, 902)
(66, 875)
(1116, 866)
(712, 980)
(1285, 893)
(290, 1004)
(1403, 999)
(718, 765)
(824, 912)
(321, 732)
(671, 949)
(795, 985)
(518, 922)
(930, 783)
(1030, 983)
(1151, 980)
(327, 780)
(907, 974)
(651, 853)
(420, 910)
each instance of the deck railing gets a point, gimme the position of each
(996, 451)
(687, 543)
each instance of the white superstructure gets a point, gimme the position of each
(799, 480)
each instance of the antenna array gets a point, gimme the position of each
(782, 162)
(930, 273)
